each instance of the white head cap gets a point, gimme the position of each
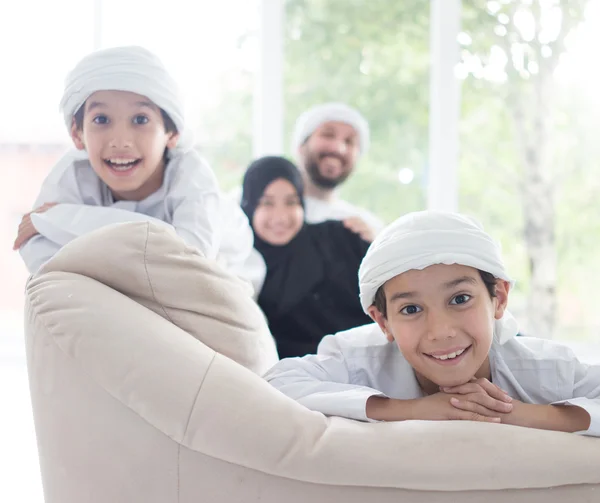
(132, 69)
(330, 112)
(419, 240)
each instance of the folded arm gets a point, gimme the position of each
(322, 383)
(64, 222)
(577, 413)
(586, 397)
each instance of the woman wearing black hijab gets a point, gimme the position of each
(311, 285)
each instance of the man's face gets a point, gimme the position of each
(330, 153)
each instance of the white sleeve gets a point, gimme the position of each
(323, 382)
(37, 251)
(253, 270)
(237, 245)
(586, 394)
(65, 222)
(60, 186)
(374, 222)
(195, 198)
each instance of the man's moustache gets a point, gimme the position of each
(336, 156)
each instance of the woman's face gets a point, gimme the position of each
(279, 215)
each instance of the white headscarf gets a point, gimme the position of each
(330, 112)
(419, 240)
(132, 69)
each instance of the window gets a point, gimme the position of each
(373, 55)
(208, 48)
(529, 167)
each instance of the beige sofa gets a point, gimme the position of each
(143, 361)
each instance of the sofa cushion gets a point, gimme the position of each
(153, 266)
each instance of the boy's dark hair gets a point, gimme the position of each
(168, 122)
(380, 302)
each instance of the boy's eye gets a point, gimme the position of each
(408, 310)
(460, 299)
(100, 119)
(140, 119)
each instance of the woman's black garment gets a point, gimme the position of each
(311, 287)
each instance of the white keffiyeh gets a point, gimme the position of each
(132, 69)
(330, 112)
(419, 240)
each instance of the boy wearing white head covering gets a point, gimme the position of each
(443, 346)
(328, 140)
(133, 161)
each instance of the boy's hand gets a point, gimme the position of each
(360, 227)
(480, 396)
(476, 406)
(473, 404)
(26, 228)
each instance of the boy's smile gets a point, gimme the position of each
(449, 357)
(122, 165)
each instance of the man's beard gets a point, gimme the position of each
(323, 182)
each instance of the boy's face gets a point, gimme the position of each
(442, 319)
(125, 138)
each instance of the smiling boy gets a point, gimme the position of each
(133, 161)
(443, 346)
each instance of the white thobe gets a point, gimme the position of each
(189, 200)
(318, 210)
(352, 366)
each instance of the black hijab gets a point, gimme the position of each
(286, 278)
(259, 175)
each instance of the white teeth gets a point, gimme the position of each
(121, 161)
(449, 356)
(119, 164)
